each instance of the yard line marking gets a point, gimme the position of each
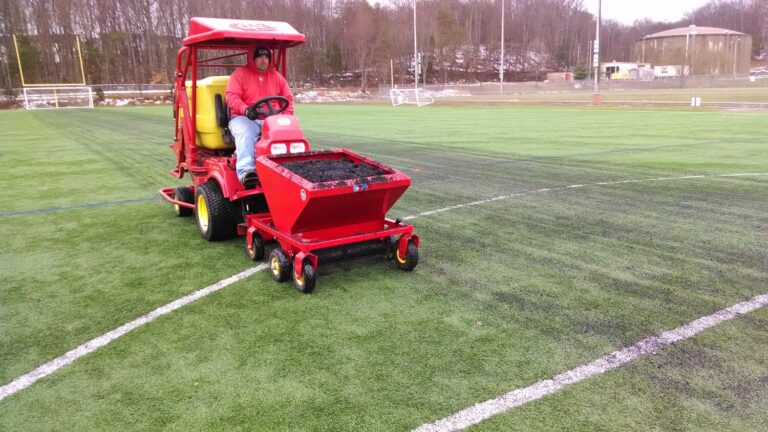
(79, 206)
(516, 398)
(92, 345)
(573, 186)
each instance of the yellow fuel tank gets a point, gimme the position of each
(208, 132)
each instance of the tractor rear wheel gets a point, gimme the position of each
(279, 265)
(306, 282)
(183, 194)
(216, 219)
(410, 260)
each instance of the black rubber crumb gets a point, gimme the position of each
(331, 170)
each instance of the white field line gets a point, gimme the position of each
(92, 345)
(519, 397)
(52, 366)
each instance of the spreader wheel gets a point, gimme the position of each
(216, 219)
(183, 194)
(410, 260)
(306, 282)
(256, 250)
(279, 265)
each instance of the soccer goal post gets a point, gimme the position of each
(409, 96)
(58, 97)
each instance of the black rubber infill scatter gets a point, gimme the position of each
(327, 170)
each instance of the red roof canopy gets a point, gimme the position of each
(241, 33)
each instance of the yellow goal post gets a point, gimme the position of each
(21, 68)
(55, 95)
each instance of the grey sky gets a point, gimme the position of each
(626, 12)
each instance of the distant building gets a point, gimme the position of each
(559, 76)
(696, 50)
(626, 71)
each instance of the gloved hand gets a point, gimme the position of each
(251, 114)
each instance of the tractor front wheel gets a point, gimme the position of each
(184, 195)
(279, 265)
(306, 282)
(214, 213)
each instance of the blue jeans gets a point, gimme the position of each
(246, 132)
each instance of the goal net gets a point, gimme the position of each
(409, 96)
(58, 97)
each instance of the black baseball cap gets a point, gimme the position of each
(262, 51)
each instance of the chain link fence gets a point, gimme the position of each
(119, 91)
(750, 91)
(724, 91)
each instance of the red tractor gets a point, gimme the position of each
(312, 219)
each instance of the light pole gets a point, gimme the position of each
(690, 37)
(416, 62)
(597, 98)
(501, 62)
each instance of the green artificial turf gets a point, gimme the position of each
(507, 292)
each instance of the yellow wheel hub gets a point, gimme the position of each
(400, 259)
(275, 265)
(202, 213)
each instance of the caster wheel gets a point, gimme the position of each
(306, 282)
(279, 265)
(410, 260)
(256, 250)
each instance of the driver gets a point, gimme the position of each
(247, 85)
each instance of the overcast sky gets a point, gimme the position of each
(626, 12)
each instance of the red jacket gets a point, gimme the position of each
(248, 84)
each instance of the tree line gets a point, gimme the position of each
(349, 42)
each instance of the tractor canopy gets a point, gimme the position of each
(200, 112)
(232, 33)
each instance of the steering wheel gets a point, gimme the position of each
(263, 106)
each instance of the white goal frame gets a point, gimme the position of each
(410, 96)
(59, 96)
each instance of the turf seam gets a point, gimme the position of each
(522, 396)
(79, 206)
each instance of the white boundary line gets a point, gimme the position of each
(576, 186)
(520, 397)
(92, 345)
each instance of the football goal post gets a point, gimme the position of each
(55, 95)
(409, 96)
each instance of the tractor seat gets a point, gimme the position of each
(222, 118)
